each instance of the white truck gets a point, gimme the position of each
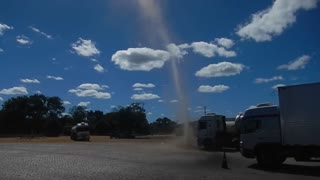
(81, 131)
(215, 132)
(272, 133)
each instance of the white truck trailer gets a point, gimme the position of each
(272, 133)
(215, 132)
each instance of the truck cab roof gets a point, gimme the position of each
(262, 111)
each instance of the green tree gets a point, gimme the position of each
(163, 126)
(79, 114)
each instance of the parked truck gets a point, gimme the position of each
(273, 133)
(215, 132)
(80, 131)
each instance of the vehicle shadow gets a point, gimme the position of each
(291, 169)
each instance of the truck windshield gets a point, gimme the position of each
(82, 128)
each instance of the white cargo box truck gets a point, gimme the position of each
(273, 133)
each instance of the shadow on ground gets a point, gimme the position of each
(291, 169)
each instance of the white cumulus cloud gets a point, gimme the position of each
(14, 91)
(225, 42)
(174, 101)
(140, 59)
(55, 78)
(210, 50)
(85, 104)
(266, 80)
(85, 48)
(1, 99)
(141, 85)
(137, 89)
(274, 20)
(219, 70)
(299, 63)
(177, 51)
(144, 96)
(90, 90)
(40, 32)
(90, 93)
(36, 81)
(4, 27)
(1, 50)
(99, 68)
(213, 89)
(89, 86)
(24, 40)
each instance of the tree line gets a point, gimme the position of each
(42, 115)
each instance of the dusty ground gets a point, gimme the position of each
(66, 139)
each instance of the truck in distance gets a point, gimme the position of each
(80, 131)
(215, 132)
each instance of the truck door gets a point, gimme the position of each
(260, 130)
(250, 133)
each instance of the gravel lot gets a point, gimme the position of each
(134, 159)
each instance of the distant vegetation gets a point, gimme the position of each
(41, 115)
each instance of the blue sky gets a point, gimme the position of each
(227, 54)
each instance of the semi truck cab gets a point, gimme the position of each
(260, 126)
(211, 128)
(81, 131)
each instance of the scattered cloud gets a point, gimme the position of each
(40, 32)
(99, 68)
(1, 99)
(140, 59)
(85, 48)
(140, 85)
(149, 113)
(266, 80)
(177, 51)
(14, 91)
(144, 96)
(213, 89)
(1, 50)
(85, 104)
(299, 63)
(137, 89)
(219, 70)
(90, 90)
(225, 42)
(160, 100)
(274, 20)
(24, 40)
(38, 92)
(174, 101)
(90, 93)
(94, 60)
(89, 86)
(66, 103)
(4, 27)
(210, 50)
(275, 87)
(105, 86)
(36, 81)
(55, 78)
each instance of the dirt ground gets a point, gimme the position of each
(66, 139)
